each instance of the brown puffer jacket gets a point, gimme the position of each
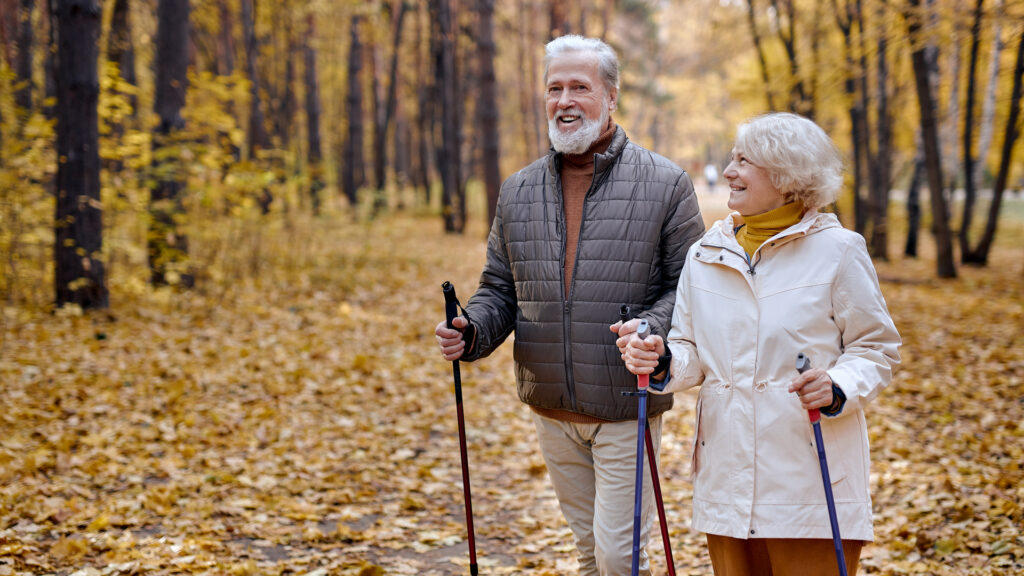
(639, 218)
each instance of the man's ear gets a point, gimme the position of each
(613, 99)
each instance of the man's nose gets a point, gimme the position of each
(565, 99)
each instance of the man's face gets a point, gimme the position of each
(578, 103)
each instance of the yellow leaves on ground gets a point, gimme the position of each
(307, 426)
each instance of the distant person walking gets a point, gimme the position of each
(711, 176)
(597, 223)
(771, 280)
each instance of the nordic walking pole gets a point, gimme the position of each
(451, 305)
(655, 479)
(803, 365)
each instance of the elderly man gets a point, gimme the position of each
(597, 223)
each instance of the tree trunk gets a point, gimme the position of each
(980, 254)
(845, 19)
(168, 245)
(558, 19)
(387, 112)
(285, 117)
(606, 18)
(424, 110)
(121, 48)
(448, 153)
(121, 51)
(79, 273)
(9, 31)
(914, 203)
(49, 60)
(352, 165)
(988, 111)
(948, 145)
(26, 39)
(882, 168)
(762, 59)
(930, 139)
(797, 93)
(969, 191)
(225, 41)
(487, 106)
(316, 183)
(538, 119)
(258, 139)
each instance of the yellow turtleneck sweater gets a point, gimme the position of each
(760, 227)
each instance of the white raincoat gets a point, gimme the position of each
(736, 331)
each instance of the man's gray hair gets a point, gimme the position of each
(801, 160)
(608, 61)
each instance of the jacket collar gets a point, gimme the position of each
(601, 161)
(812, 221)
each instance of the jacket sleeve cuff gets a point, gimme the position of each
(662, 370)
(838, 402)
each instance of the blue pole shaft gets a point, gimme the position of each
(837, 541)
(638, 499)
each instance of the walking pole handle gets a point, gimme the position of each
(803, 364)
(643, 331)
(451, 302)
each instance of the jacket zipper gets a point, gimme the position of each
(751, 266)
(567, 302)
(566, 324)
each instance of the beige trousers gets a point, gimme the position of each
(593, 470)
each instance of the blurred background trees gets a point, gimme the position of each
(220, 122)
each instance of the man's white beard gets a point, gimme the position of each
(578, 141)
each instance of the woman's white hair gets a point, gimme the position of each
(608, 61)
(801, 160)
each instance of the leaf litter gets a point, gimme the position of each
(305, 424)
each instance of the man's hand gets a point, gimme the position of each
(814, 388)
(450, 340)
(641, 356)
(623, 330)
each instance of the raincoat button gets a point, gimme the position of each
(698, 254)
(753, 531)
(721, 258)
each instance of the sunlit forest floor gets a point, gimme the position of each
(305, 424)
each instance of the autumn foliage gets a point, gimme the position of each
(301, 421)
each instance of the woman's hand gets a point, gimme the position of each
(814, 388)
(641, 356)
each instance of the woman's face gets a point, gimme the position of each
(751, 191)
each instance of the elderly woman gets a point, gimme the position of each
(771, 280)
